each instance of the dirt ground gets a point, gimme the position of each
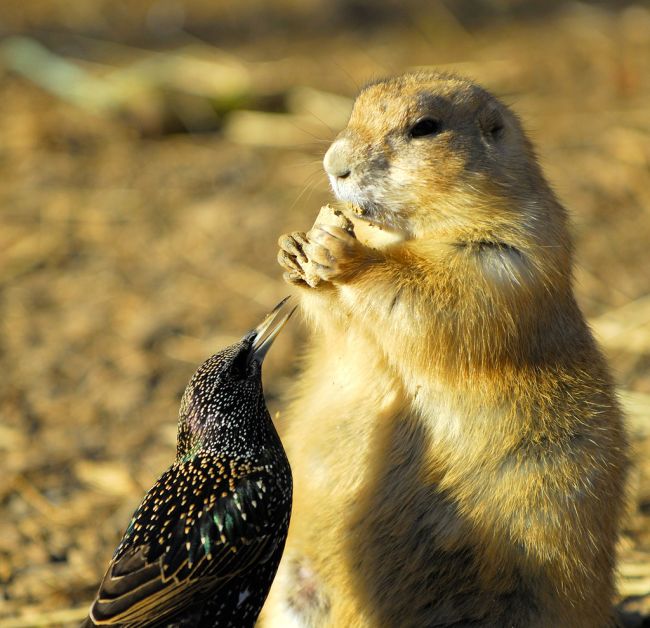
(150, 155)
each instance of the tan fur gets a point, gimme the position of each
(457, 449)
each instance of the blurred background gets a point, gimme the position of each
(151, 151)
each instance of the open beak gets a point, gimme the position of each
(264, 334)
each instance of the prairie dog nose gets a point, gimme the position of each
(337, 160)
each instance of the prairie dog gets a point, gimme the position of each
(457, 447)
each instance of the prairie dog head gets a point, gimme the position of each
(428, 153)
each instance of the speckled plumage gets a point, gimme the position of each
(203, 546)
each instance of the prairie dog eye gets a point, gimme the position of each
(426, 126)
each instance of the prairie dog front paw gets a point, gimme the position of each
(306, 258)
(292, 257)
(331, 251)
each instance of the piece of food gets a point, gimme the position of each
(335, 217)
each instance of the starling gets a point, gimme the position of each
(203, 547)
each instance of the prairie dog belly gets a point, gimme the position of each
(346, 399)
(343, 398)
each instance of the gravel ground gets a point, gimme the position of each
(141, 196)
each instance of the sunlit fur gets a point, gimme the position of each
(457, 447)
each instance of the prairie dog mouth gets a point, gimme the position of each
(373, 215)
(369, 213)
(369, 227)
(355, 209)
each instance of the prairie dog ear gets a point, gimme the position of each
(491, 122)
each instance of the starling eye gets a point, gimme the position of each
(424, 127)
(239, 368)
(496, 131)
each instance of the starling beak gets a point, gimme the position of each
(203, 547)
(266, 332)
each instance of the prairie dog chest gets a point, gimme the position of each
(465, 426)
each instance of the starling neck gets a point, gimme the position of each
(241, 432)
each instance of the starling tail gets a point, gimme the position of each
(203, 547)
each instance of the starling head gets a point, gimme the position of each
(224, 402)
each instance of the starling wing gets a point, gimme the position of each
(206, 521)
